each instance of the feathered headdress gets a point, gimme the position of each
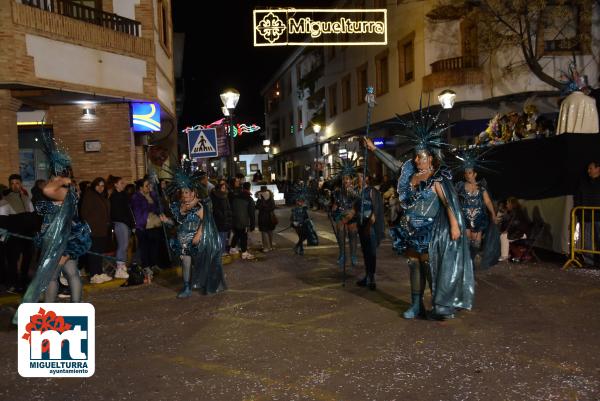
(349, 166)
(424, 130)
(475, 159)
(59, 161)
(572, 80)
(183, 178)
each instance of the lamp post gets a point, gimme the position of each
(230, 98)
(316, 129)
(267, 147)
(447, 97)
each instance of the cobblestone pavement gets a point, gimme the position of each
(287, 330)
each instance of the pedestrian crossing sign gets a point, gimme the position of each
(202, 143)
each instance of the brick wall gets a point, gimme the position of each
(110, 125)
(9, 143)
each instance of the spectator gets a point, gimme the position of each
(95, 210)
(515, 225)
(243, 211)
(588, 194)
(257, 176)
(19, 251)
(123, 223)
(222, 213)
(144, 204)
(267, 221)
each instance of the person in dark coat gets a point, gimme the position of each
(242, 207)
(266, 216)
(95, 210)
(148, 229)
(222, 212)
(122, 219)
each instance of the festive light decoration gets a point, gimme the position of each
(238, 129)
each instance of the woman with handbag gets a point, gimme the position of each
(144, 204)
(267, 221)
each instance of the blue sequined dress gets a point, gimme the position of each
(207, 271)
(344, 201)
(62, 234)
(426, 229)
(473, 207)
(187, 225)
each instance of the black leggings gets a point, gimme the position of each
(241, 236)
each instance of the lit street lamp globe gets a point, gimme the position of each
(447, 98)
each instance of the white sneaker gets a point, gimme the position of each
(106, 277)
(248, 256)
(97, 279)
(121, 272)
(265, 250)
(234, 251)
(63, 280)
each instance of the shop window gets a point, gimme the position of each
(381, 73)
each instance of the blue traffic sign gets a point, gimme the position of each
(202, 143)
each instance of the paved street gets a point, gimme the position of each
(287, 330)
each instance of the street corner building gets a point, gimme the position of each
(82, 70)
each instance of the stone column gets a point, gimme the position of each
(9, 136)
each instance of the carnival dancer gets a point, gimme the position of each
(370, 228)
(478, 211)
(197, 240)
(63, 238)
(301, 222)
(342, 203)
(431, 231)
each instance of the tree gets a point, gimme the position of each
(538, 28)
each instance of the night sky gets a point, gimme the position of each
(219, 53)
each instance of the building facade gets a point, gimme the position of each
(425, 55)
(75, 66)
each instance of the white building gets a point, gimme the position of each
(423, 57)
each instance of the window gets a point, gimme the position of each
(330, 53)
(562, 26)
(332, 100)
(361, 82)
(381, 73)
(163, 23)
(289, 85)
(346, 93)
(300, 119)
(275, 135)
(406, 59)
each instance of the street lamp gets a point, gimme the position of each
(230, 98)
(447, 98)
(267, 147)
(316, 129)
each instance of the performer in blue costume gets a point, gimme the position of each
(431, 232)
(63, 238)
(301, 222)
(197, 241)
(370, 228)
(478, 211)
(342, 203)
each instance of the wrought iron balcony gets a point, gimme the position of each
(87, 14)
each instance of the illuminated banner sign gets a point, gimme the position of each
(145, 117)
(320, 27)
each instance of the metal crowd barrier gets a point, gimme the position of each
(579, 243)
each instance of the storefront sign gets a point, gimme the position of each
(320, 27)
(379, 142)
(145, 117)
